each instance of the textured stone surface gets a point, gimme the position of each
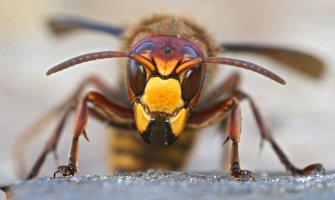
(177, 185)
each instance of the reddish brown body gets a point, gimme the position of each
(169, 59)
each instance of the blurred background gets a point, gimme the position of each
(300, 114)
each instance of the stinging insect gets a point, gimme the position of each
(169, 61)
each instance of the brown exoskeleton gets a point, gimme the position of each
(169, 59)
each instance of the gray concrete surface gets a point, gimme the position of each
(152, 185)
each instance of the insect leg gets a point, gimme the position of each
(234, 133)
(220, 112)
(111, 111)
(50, 146)
(266, 135)
(228, 108)
(225, 89)
(63, 109)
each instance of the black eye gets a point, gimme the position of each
(136, 77)
(145, 47)
(192, 82)
(189, 51)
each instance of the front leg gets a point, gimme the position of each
(234, 133)
(235, 170)
(311, 169)
(219, 112)
(110, 111)
(228, 108)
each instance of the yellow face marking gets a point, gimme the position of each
(178, 122)
(141, 117)
(162, 95)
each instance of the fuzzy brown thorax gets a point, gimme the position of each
(170, 25)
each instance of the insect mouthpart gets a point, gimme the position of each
(159, 128)
(159, 131)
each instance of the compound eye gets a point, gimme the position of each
(145, 47)
(189, 52)
(192, 82)
(137, 77)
